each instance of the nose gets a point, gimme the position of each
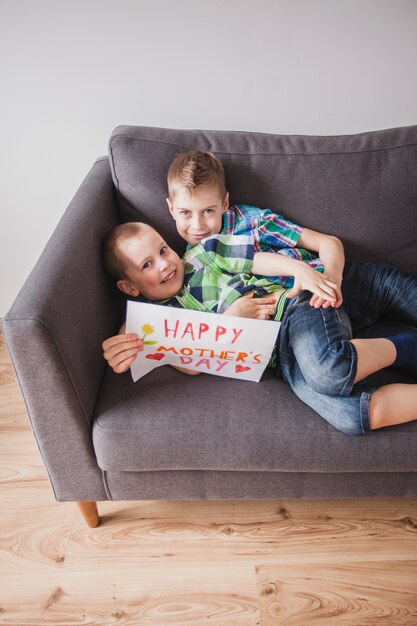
(197, 222)
(163, 263)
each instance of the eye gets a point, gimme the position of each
(209, 210)
(146, 265)
(184, 212)
(163, 250)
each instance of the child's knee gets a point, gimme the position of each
(333, 373)
(331, 376)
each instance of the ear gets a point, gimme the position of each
(170, 207)
(226, 202)
(127, 288)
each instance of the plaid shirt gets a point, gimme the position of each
(271, 233)
(218, 272)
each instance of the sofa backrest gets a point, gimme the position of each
(362, 188)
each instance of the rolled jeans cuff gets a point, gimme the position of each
(364, 407)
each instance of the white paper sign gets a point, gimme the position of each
(222, 345)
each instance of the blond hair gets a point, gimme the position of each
(111, 247)
(195, 169)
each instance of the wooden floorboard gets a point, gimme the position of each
(242, 563)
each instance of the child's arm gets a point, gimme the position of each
(325, 287)
(305, 277)
(331, 252)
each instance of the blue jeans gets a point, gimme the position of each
(315, 354)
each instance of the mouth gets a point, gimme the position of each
(203, 236)
(169, 278)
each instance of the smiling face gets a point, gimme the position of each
(151, 267)
(198, 215)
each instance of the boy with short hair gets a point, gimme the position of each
(199, 203)
(142, 263)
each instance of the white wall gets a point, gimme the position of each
(71, 70)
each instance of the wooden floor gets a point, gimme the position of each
(267, 563)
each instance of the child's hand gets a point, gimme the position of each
(318, 302)
(255, 308)
(120, 351)
(324, 289)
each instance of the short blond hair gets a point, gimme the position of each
(111, 247)
(195, 169)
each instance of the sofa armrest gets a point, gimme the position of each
(54, 332)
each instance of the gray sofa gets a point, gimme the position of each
(171, 436)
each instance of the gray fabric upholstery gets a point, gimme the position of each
(203, 485)
(170, 436)
(169, 421)
(54, 331)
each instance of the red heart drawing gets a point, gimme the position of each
(156, 357)
(241, 368)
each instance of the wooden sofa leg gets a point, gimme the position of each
(89, 512)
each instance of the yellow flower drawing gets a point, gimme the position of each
(147, 329)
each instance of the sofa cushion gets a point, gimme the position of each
(168, 421)
(362, 188)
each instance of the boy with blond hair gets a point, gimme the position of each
(199, 203)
